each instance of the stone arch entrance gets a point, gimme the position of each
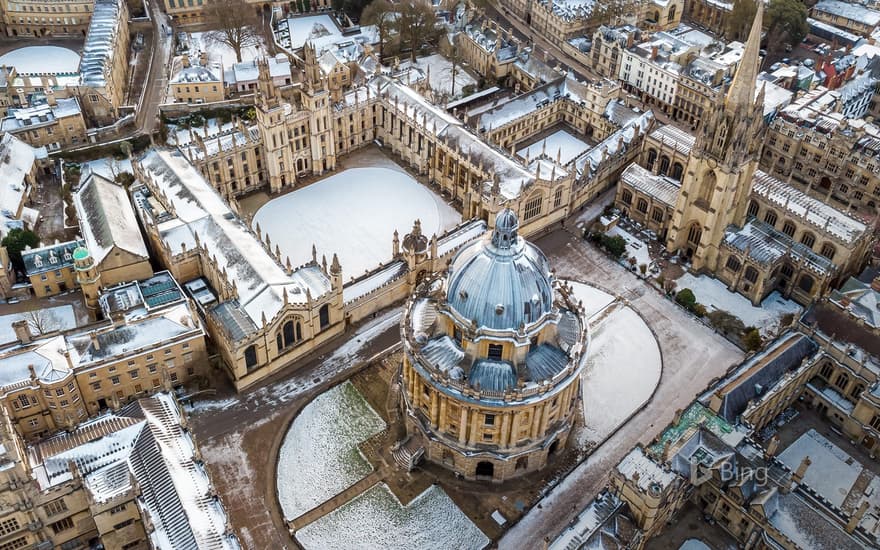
(553, 448)
(485, 469)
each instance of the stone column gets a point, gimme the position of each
(435, 407)
(463, 425)
(505, 429)
(475, 427)
(537, 413)
(443, 421)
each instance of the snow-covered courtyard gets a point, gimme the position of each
(41, 321)
(376, 519)
(713, 294)
(561, 143)
(221, 53)
(320, 31)
(624, 366)
(440, 70)
(635, 247)
(42, 60)
(319, 456)
(354, 214)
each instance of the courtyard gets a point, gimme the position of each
(352, 213)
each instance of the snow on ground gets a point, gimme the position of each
(441, 74)
(593, 299)
(561, 142)
(354, 214)
(319, 457)
(622, 372)
(321, 32)
(832, 472)
(694, 544)
(221, 53)
(345, 358)
(713, 294)
(42, 60)
(48, 319)
(376, 519)
(106, 166)
(635, 247)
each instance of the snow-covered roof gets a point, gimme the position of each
(321, 32)
(680, 140)
(197, 74)
(861, 299)
(249, 71)
(491, 41)
(661, 188)
(98, 52)
(199, 215)
(615, 144)
(637, 467)
(847, 10)
(16, 162)
(765, 245)
(49, 258)
(200, 141)
(107, 219)
(144, 442)
(39, 114)
(796, 203)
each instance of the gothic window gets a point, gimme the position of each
(657, 215)
(652, 158)
(857, 391)
(642, 205)
(324, 315)
(808, 239)
(733, 264)
(557, 199)
(707, 187)
(250, 357)
(806, 283)
(287, 330)
(828, 250)
(626, 197)
(787, 271)
(753, 208)
(532, 207)
(695, 234)
(788, 228)
(677, 169)
(751, 274)
(770, 218)
(826, 371)
(664, 165)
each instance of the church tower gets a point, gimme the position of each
(89, 279)
(718, 178)
(271, 116)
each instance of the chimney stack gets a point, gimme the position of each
(22, 331)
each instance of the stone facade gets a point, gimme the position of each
(46, 17)
(495, 396)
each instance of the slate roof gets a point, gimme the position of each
(107, 219)
(765, 245)
(49, 258)
(661, 188)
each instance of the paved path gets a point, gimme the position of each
(336, 501)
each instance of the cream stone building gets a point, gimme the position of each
(727, 218)
(46, 17)
(55, 124)
(493, 356)
(150, 340)
(50, 269)
(199, 83)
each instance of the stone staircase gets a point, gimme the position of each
(408, 454)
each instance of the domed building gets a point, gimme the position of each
(493, 353)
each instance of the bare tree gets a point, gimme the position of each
(381, 14)
(233, 23)
(417, 25)
(42, 321)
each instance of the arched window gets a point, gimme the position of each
(733, 264)
(642, 205)
(279, 342)
(695, 234)
(250, 357)
(808, 239)
(770, 217)
(826, 371)
(533, 207)
(664, 165)
(626, 197)
(287, 330)
(677, 168)
(787, 271)
(652, 158)
(788, 228)
(671, 17)
(707, 187)
(299, 331)
(751, 274)
(806, 283)
(324, 315)
(857, 391)
(753, 208)
(657, 215)
(828, 250)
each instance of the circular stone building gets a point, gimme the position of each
(493, 356)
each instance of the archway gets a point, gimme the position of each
(485, 469)
(553, 448)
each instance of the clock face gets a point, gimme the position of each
(712, 163)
